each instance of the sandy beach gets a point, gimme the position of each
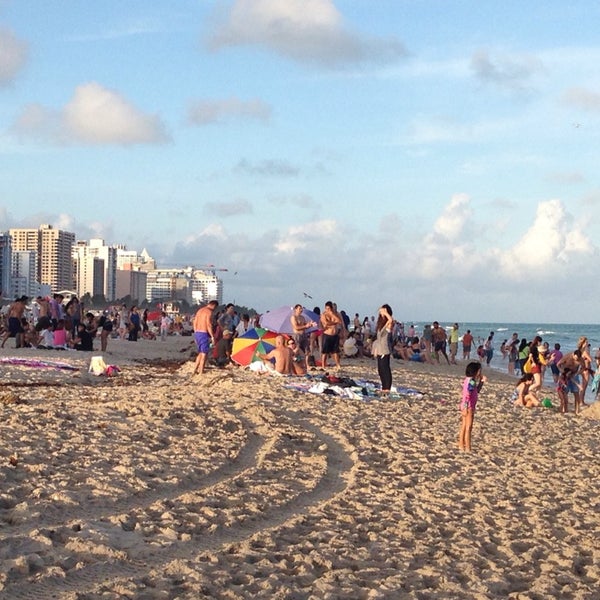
(154, 485)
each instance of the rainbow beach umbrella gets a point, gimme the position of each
(248, 345)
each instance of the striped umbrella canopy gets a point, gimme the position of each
(255, 341)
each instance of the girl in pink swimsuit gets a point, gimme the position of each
(472, 385)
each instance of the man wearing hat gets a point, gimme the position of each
(223, 349)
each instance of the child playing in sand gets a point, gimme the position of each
(521, 395)
(472, 385)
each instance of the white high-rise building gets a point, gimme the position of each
(23, 274)
(193, 285)
(206, 286)
(96, 268)
(130, 260)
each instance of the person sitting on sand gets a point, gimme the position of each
(400, 350)
(521, 395)
(298, 357)
(350, 348)
(30, 335)
(223, 349)
(60, 336)
(281, 355)
(86, 332)
(416, 351)
(46, 337)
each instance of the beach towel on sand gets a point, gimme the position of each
(361, 390)
(33, 362)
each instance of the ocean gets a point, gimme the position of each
(565, 334)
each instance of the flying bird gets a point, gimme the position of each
(307, 295)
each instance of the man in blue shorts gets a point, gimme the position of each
(203, 334)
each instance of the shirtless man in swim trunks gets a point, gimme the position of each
(203, 334)
(15, 329)
(282, 355)
(331, 323)
(300, 327)
(439, 337)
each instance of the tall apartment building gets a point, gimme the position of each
(132, 284)
(54, 249)
(195, 286)
(5, 265)
(132, 273)
(23, 274)
(206, 286)
(95, 269)
(168, 284)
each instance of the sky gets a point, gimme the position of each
(440, 156)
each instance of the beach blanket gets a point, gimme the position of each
(359, 389)
(34, 362)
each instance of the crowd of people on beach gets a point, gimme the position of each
(53, 323)
(321, 343)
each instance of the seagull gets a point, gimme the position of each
(307, 295)
(577, 125)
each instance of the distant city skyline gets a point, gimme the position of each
(43, 260)
(441, 158)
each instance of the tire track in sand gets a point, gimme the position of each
(335, 479)
(245, 459)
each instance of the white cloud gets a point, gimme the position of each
(13, 56)
(83, 230)
(204, 112)
(310, 31)
(95, 115)
(448, 247)
(450, 224)
(302, 236)
(552, 245)
(460, 270)
(582, 98)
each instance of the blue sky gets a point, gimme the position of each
(440, 156)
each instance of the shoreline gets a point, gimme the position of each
(155, 484)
